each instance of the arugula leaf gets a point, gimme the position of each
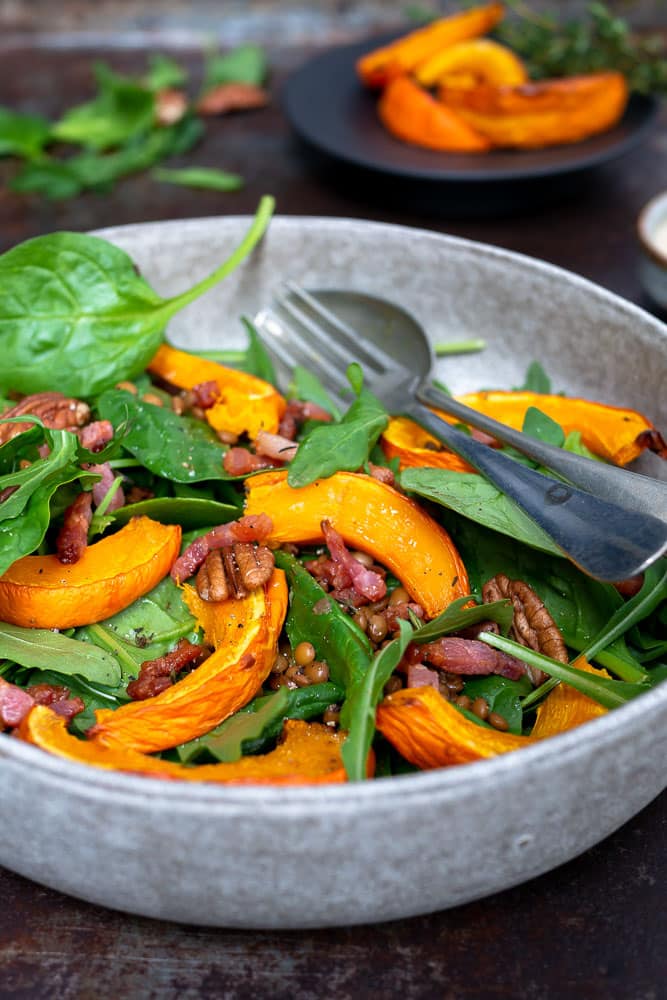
(189, 512)
(208, 178)
(542, 427)
(163, 73)
(635, 609)
(503, 696)
(307, 387)
(328, 448)
(257, 361)
(181, 449)
(121, 109)
(610, 693)
(573, 442)
(358, 712)
(317, 618)
(98, 321)
(46, 650)
(457, 616)
(245, 64)
(474, 497)
(535, 380)
(22, 135)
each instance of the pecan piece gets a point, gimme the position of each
(56, 411)
(170, 106)
(532, 625)
(234, 570)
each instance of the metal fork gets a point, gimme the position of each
(605, 539)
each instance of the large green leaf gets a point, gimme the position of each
(44, 649)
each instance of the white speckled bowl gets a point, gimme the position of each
(262, 857)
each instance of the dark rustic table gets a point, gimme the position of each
(592, 929)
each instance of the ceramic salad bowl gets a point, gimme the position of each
(262, 857)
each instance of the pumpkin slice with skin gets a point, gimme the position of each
(612, 432)
(244, 633)
(309, 754)
(246, 404)
(372, 517)
(378, 67)
(413, 116)
(409, 443)
(481, 59)
(42, 592)
(429, 732)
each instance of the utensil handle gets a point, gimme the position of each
(604, 540)
(619, 486)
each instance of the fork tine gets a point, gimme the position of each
(312, 334)
(291, 349)
(374, 356)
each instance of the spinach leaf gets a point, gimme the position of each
(73, 310)
(177, 448)
(456, 617)
(472, 496)
(542, 427)
(328, 448)
(51, 178)
(62, 453)
(535, 380)
(574, 443)
(120, 110)
(46, 650)
(317, 618)
(358, 712)
(163, 73)
(245, 64)
(22, 135)
(307, 387)
(208, 178)
(253, 728)
(257, 361)
(503, 696)
(189, 512)
(610, 693)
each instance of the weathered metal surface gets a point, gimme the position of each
(592, 929)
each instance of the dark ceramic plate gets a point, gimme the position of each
(328, 108)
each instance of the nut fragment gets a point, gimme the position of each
(56, 412)
(231, 97)
(170, 106)
(532, 624)
(234, 570)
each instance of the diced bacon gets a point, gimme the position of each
(382, 474)
(102, 487)
(469, 656)
(420, 676)
(72, 539)
(58, 698)
(95, 436)
(241, 462)
(275, 446)
(205, 394)
(250, 528)
(366, 582)
(158, 674)
(15, 703)
(395, 612)
(297, 413)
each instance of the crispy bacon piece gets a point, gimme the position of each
(241, 462)
(15, 703)
(205, 394)
(297, 413)
(96, 435)
(469, 656)
(102, 487)
(56, 697)
(72, 539)
(420, 676)
(159, 674)
(250, 528)
(365, 581)
(396, 612)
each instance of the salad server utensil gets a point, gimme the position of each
(605, 537)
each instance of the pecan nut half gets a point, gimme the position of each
(56, 411)
(234, 570)
(532, 625)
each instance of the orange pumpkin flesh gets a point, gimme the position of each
(370, 516)
(413, 116)
(42, 592)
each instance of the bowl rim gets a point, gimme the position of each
(185, 795)
(644, 234)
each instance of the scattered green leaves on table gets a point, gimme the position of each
(22, 135)
(245, 64)
(200, 177)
